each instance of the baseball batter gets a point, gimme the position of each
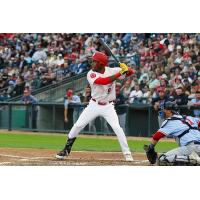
(102, 81)
(185, 129)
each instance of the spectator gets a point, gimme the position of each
(48, 78)
(60, 60)
(143, 82)
(82, 67)
(196, 103)
(180, 97)
(2, 84)
(144, 74)
(136, 95)
(66, 69)
(154, 82)
(32, 109)
(20, 86)
(87, 94)
(31, 50)
(51, 59)
(171, 93)
(126, 89)
(177, 83)
(151, 55)
(134, 81)
(11, 86)
(73, 67)
(59, 73)
(4, 96)
(192, 95)
(146, 95)
(22, 63)
(40, 54)
(28, 59)
(158, 104)
(70, 98)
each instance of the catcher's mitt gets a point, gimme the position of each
(151, 154)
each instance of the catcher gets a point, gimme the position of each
(185, 129)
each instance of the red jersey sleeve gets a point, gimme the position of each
(106, 80)
(130, 72)
(158, 135)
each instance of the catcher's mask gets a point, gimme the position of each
(168, 105)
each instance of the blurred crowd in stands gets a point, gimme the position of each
(166, 65)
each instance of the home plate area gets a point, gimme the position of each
(43, 157)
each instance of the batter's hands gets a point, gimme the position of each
(124, 68)
(66, 120)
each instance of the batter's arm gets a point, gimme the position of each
(130, 72)
(107, 80)
(156, 137)
(65, 114)
(66, 110)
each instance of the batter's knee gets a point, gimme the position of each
(115, 127)
(80, 125)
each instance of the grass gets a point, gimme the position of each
(56, 142)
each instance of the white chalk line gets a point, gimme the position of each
(21, 158)
(141, 161)
(5, 163)
(12, 156)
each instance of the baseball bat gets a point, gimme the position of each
(108, 50)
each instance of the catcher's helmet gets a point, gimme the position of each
(100, 57)
(168, 105)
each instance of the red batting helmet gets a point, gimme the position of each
(100, 57)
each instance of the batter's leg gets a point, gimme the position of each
(111, 117)
(86, 116)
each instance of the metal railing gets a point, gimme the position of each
(140, 119)
(55, 91)
(54, 94)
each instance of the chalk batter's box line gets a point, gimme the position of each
(20, 158)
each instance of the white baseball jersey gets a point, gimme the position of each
(175, 128)
(103, 92)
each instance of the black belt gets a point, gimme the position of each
(102, 103)
(196, 142)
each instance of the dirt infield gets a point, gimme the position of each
(36, 157)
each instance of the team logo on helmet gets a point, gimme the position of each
(92, 75)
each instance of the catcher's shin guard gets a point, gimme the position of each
(164, 160)
(67, 149)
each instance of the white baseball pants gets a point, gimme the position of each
(108, 112)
